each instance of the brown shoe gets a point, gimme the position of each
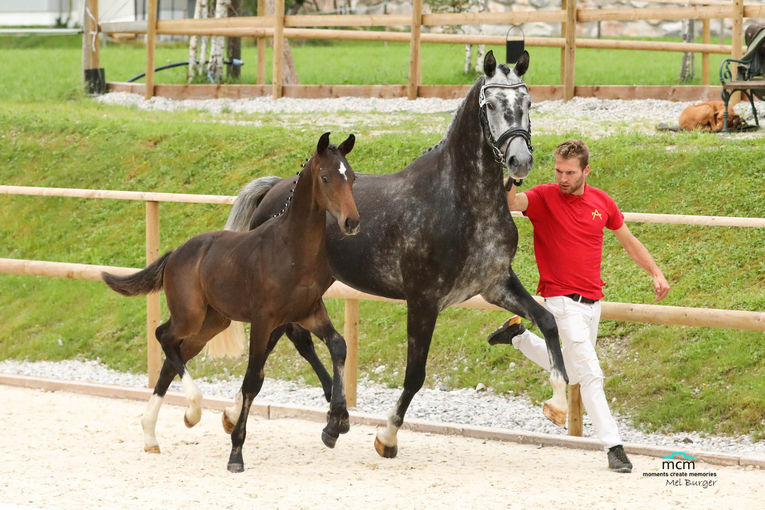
(509, 329)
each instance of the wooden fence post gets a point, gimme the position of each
(261, 78)
(706, 37)
(574, 411)
(90, 55)
(351, 333)
(153, 351)
(414, 50)
(276, 91)
(737, 38)
(151, 32)
(563, 48)
(569, 50)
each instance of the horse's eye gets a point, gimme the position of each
(324, 179)
(490, 106)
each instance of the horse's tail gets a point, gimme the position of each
(241, 215)
(147, 280)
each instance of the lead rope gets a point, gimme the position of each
(292, 190)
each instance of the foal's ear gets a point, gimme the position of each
(522, 65)
(323, 143)
(347, 145)
(489, 64)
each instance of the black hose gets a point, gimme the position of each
(236, 62)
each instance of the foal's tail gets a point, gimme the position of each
(240, 217)
(144, 281)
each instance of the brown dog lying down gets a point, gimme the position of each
(708, 116)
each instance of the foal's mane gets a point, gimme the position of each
(330, 147)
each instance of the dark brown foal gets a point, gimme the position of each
(270, 277)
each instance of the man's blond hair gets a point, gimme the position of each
(573, 149)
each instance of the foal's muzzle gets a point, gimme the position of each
(350, 226)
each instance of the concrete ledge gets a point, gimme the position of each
(274, 411)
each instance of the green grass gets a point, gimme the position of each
(40, 69)
(665, 377)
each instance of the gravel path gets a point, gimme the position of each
(585, 116)
(465, 406)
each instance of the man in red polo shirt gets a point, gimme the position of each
(568, 219)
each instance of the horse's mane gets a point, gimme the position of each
(472, 96)
(458, 113)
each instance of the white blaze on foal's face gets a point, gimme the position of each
(343, 170)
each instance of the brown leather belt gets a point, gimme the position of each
(581, 299)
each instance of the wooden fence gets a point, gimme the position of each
(569, 16)
(658, 314)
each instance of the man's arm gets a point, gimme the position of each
(642, 258)
(517, 201)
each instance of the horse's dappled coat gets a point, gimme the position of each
(439, 231)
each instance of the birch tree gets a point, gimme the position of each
(193, 69)
(215, 65)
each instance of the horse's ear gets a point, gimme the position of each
(522, 65)
(347, 145)
(489, 64)
(323, 143)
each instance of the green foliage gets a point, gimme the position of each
(665, 377)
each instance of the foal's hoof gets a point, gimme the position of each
(328, 439)
(190, 422)
(384, 451)
(235, 467)
(228, 426)
(553, 414)
(151, 449)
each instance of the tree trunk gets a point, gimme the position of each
(289, 72)
(468, 58)
(479, 58)
(234, 44)
(215, 67)
(687, 67)
(193, 41)
(206, 6)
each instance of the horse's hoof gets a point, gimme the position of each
(556, 416)
(228, 426)
(344, 426)
(235, 467)
(387, 452)
(191, 422)
(151, 449)
(328, 439)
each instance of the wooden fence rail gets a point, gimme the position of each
(304, 27)
(659, 314)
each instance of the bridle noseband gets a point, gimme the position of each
(496, 145)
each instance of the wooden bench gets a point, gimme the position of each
(750, 72)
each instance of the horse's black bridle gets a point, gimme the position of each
(507, 136)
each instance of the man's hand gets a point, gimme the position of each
(660, 287)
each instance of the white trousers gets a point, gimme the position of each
(578, 331)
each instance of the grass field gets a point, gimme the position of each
(667, 378)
